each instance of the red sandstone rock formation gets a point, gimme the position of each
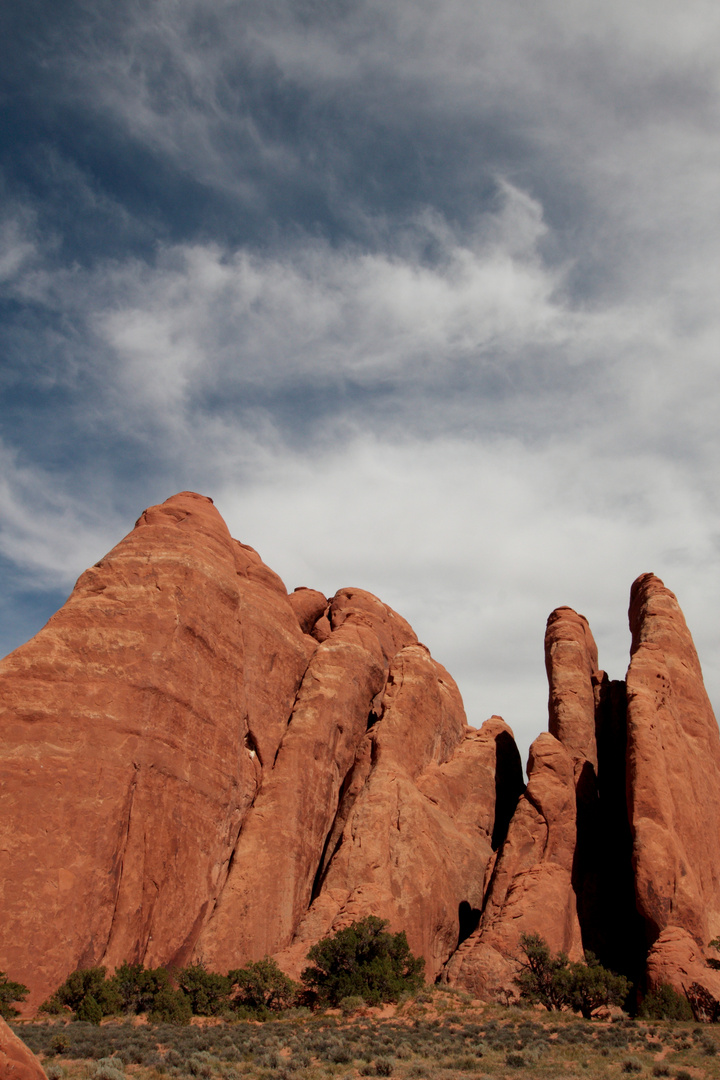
(281, 843)
(17, 1061)
(531, 890)
(133, 733)
(587, 715)
(673, 771)
(195, 764)
(571, 661)
(676, 960)
(414, 838)
(193, 760)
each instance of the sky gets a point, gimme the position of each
(424, 295)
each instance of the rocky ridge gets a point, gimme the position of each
(199, 765)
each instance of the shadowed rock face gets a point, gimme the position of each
(196, 765)
(640, 833)
(531, 888)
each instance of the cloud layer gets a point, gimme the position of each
(423, 295)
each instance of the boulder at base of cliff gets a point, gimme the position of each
(676, 960)
(17, 1061)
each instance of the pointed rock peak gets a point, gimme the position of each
(571, 661)
(673, 780)
(655, 617)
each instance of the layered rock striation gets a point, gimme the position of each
(198, 765)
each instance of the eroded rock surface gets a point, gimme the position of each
(196, 764)
(677, 960)
(17, 1061)
(531, 889)
(673, 771)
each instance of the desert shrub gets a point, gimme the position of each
(54, 1072)
(143, 990)
(665, 1003)
(631, 1065)
(540, 977)
(339, 1054)
(89, 1010)
(555, 982)
(207, 991)
(60, 1043)
(383, 1067)
(351, 1004)
(363, 960)
(170, 1007)
(661, 1070)
(589, 985)
(200, 1064)
(85, 983)
(10, 992)
(262, 986)
(107, 1069)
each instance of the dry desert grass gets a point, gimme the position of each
(437, 1036)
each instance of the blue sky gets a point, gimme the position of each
(424, 295)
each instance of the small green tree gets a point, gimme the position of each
(555, 982)
(363, 960)
(590, 985)
(542, 976)
(170, 1007)
(89, 1010)
(81, 984)
(10, 992)
(665, 1003)
(206, 991)
(128, 988)
(261, 985)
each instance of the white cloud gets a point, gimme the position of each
(477, 542)
(45, 529)
(478, 421)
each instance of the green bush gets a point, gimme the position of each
(665, 1003)
(351, 1004)
(207, 992)
(363, 960)
(170, 1007)
(589, 985)
(89, 1010)
(85, 983)
(541, 977)
(10, 992)
(261, 986)
(556, 983)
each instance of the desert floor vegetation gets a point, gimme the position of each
(436, 1035)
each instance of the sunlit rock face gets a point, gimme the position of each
(638, 871)
(198, 766)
